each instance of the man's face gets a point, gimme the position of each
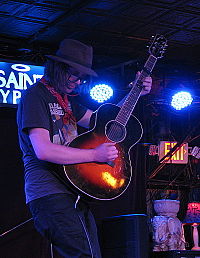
(74, 79)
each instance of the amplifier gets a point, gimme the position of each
(125, 236)
(176, 254)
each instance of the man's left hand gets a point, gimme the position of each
(147, 84)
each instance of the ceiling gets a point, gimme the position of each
(119, 30)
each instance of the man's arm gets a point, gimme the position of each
(85, 120)
(59, 154)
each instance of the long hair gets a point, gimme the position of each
(57, 76)
(56, 73)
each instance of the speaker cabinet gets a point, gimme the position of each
(176, 254)
(125, 236)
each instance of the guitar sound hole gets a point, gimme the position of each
(115, 131)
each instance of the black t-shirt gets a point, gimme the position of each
(38, 108)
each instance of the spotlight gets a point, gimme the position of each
(181, 100)
(101, 92)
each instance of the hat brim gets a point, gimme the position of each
(79, 67)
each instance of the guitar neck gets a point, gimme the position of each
(133, 96)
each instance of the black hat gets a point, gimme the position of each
(75, 54)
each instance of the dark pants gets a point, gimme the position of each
(72, 231)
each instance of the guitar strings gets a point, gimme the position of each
(123, 115)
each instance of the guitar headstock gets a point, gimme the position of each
(158, 46)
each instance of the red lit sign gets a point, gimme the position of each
(180, 155)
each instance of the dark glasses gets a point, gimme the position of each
(75, 77)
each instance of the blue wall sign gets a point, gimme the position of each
(15, 78)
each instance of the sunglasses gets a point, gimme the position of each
(75, 77)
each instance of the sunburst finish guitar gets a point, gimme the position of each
(107, 181)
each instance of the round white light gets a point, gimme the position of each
(181, 100)
(101, 92)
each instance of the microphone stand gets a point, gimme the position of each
(20, 225)
(16, 227)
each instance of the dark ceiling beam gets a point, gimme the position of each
(51, 5)
(25, 19)
(118, 34)
(160, 14)
(70, 12)
(127, 18)
(175, 7)
(166, 8)
(8, 40)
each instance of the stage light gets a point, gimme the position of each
(181, 100)
(101, 92)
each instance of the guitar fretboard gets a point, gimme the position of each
(133, 96)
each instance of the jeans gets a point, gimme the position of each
(72, 231)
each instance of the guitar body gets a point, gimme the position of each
(104, 181)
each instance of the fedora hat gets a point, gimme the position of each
(75, 54)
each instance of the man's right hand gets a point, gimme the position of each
(105, 152)
(61, 154)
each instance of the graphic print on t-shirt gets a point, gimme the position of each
(63, 133)
(55, 109)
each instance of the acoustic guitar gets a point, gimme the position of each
(107, 181)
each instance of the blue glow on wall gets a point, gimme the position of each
(15, 78)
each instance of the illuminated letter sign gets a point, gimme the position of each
(15, 78)
(180, 156)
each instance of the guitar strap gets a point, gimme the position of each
(62, 101)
